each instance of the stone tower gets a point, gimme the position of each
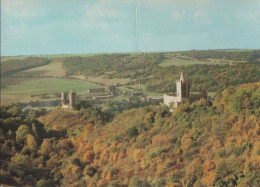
(63, 98)
(182, 93)
(68, 102)
(182, 89)
(72, 99)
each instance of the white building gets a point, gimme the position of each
(182, 93)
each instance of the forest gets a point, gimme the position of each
(118, 65)
(199, 144)
(249, 56)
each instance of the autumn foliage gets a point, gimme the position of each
(199, 144)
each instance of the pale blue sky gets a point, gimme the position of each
(32, 27)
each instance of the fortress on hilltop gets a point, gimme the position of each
(182, 93)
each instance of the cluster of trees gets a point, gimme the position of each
(114, 65)
(241, 100)
(16, 65)
(249, 56)
(199, 144)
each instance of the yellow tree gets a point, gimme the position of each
(31, 142)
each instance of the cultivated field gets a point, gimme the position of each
(39, 84)
(53, 69)
(136, 87)
(108, 82)
(34, 89)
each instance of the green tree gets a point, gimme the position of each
(46, 147)
(135, 181)
(31, 142)
(22, 133)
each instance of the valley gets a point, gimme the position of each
(131, 138)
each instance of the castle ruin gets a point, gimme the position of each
(68, 102)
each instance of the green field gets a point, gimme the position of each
(53, 69)
(22, 92)
(142, 87)
(108, 82)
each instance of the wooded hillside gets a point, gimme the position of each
(144, 69)
(199, 144)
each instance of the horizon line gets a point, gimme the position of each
(100, 53)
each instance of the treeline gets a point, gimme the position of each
(248, 56)
(16, 65)
(199, 144)
(114, 65)
(212, 78)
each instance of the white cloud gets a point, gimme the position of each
(199, 14)
(18, 9)
(179, 15)
(100, 10)
(101, 16)
(93, 24)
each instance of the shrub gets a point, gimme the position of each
(132, 132)
(90, 171)
(113, 184)
(135, 181)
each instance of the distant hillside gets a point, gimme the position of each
(199, 144)
(240, 55)
(15, 65)
(236, 68)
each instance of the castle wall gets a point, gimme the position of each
(168, 99)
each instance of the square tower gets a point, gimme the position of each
(182, 89)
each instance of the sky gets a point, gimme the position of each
(35, 27)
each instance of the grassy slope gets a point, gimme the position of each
(21, 92)
(53, 69)
(49, 85)
(40, 80)
(108, 82)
